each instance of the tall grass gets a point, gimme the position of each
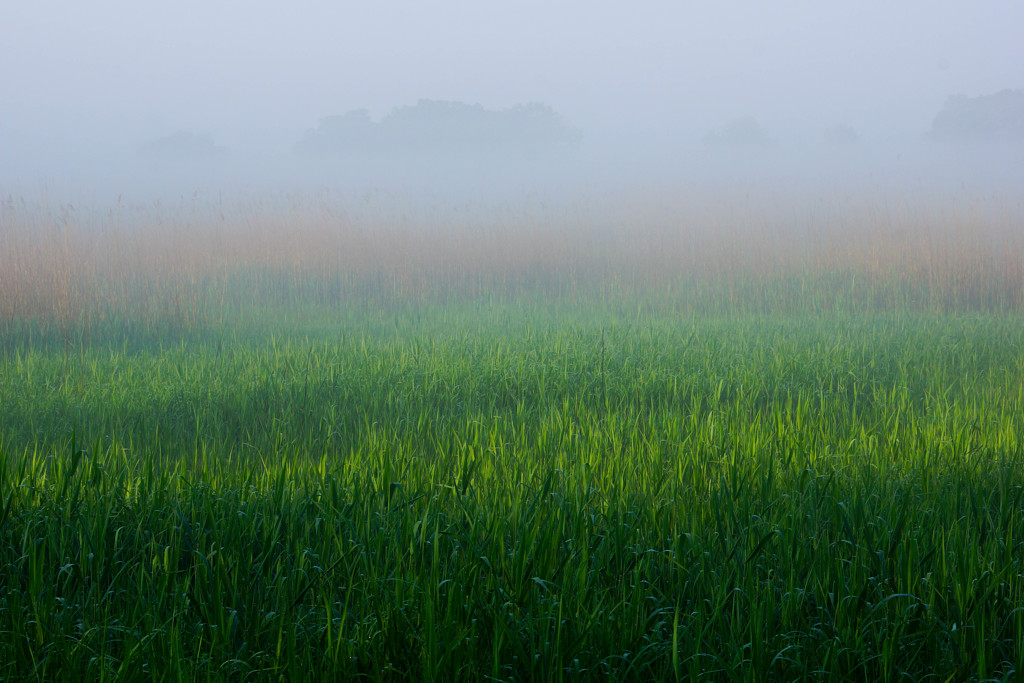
(560, 444)
(68, 273)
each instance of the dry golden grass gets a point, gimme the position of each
(73, 270)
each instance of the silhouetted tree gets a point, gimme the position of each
(437, 126)
(988, 117)
(351, 132)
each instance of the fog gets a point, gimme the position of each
(119, 99)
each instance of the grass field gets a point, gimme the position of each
(655, 439)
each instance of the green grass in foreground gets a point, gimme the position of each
(520, 494)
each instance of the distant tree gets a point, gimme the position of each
(182, 145)
(741, 132)
(351, 132)
(437, 126)
(841, 135)
(988, 117)
(539, 125)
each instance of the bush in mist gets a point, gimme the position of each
(988, 117)
(741, 132)
(182, 145)
(436, 126)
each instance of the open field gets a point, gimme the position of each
(650, 439)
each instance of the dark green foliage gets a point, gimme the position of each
(461, 494)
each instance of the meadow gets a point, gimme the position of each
(658, 437)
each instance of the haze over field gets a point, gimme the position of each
(116, 98)
(474, 341)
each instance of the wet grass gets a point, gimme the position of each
(712, 438)
(518, 491)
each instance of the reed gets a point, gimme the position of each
(67, 273)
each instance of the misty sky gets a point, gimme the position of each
(82, 76)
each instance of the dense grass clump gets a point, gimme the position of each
(775, 471)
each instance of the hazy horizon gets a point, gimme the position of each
(86, 88)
